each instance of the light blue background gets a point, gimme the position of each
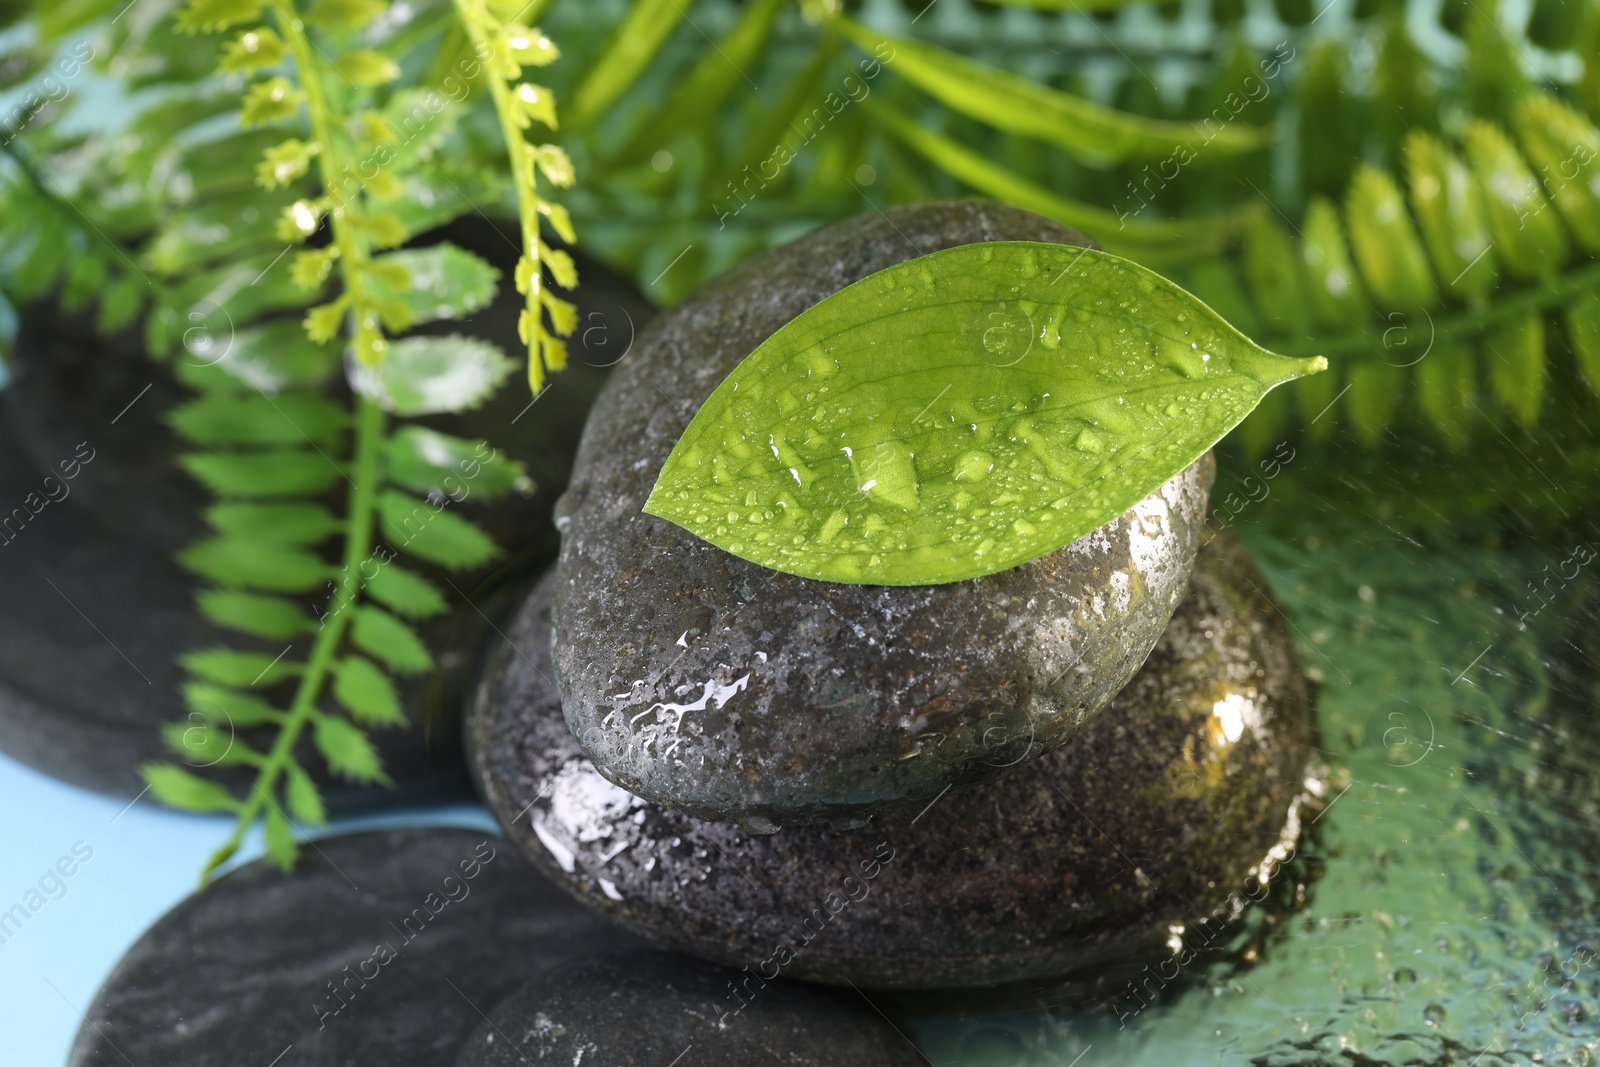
(146, 859)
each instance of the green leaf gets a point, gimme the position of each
(281, 848)
(259, 420)
(1017, 105)
(281, 524)
(959, 414)
(1373, 399)
(252, 50)
(269, 101)
(274, 472)
(263, 616)
(345, 14)
(1449, 211)
(428, 375)
(640, 35)
(699, 95)
(365, 67)
(1276, 279)
(1528, 233)
(242, 562)
(405, 592)
(428, 531)
(1582, 320)
(208, 16)
(1516, 359)
(302, 797)
(1174, 237)
(1336, 295)
(1446, 391)
(367, 693)
(240, 709)
(1385, 243)
(347, 750)
(227, 666)
(271, 359)
(1565, 147)
(428, 462)
(177, 788)
(442, 282)
(382, 635)
(206, 741)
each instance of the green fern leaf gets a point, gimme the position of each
(300, 793)
(1528, 233)
(275, 472)
(1582, 320)
(1386, 244)
(227, 666)
(428, 462)
(281, 847)
(437, 282)
(1566, 149)
(432, 533)
(1376, 392)
(230, 705)
(209, 16)
(1517, 367)
(260, 420)
(345, 14)
(348, 751)
(366, 692)
(268, 102)
(385, 637)
(263, 616)
(207, 743)
(280, 524)
(177, 788)
(1446, 393)
(237, 561)
(406, 593)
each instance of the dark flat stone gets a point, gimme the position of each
(1159, 812)
(382, 949)
(658, 1008)
(709, 684)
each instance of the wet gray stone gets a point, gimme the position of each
(655, 1008)
(728, 691)
(1161, 811)
(382, 949)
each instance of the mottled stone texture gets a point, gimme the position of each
(1161, 810)
(656, 1008)
(239, 972)
(728, 691)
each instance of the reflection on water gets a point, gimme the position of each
(1442, 910)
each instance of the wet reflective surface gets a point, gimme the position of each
(1442, 909)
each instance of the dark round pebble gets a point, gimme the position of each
(382, 948)
(728, 691)
(1164, 809)
(659, 1008)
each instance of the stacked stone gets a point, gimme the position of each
(1019, 776)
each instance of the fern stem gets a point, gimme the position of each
(352, 250)
(369, 429)
(473, 15)
(357, 544)
(1537, 298)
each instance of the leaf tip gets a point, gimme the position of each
(1316, 364)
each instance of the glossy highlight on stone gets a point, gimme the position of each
(728, 691)
(1174, 804)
